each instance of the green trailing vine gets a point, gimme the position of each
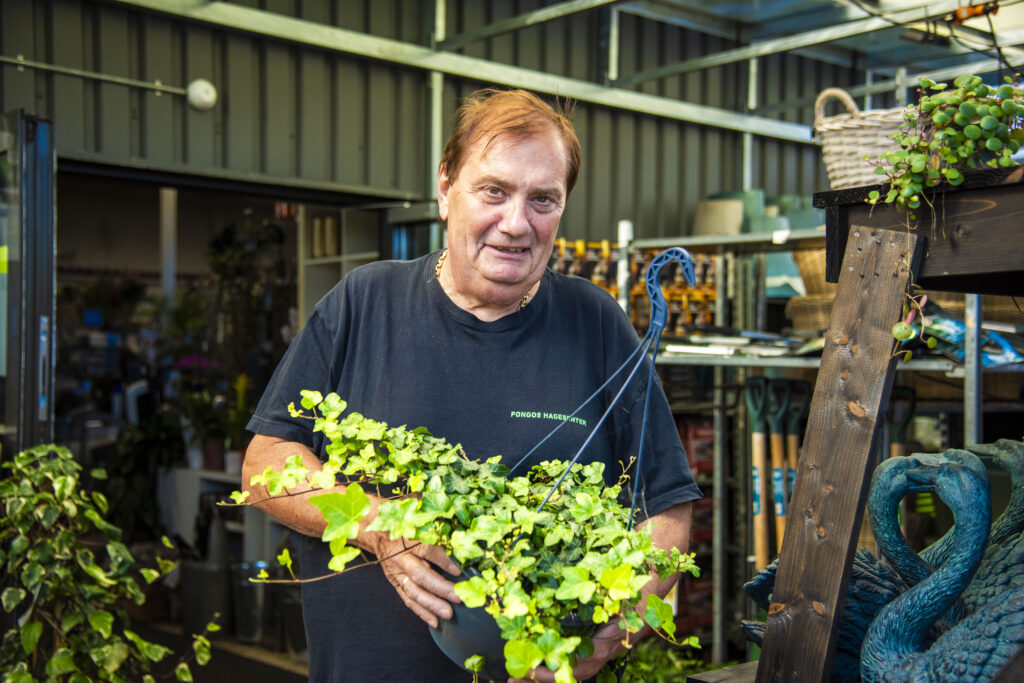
(949, 133)
(905, 330)
(538, 571)
(68, 578)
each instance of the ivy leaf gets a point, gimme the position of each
(310, 399)
(576, 585)
(474, 663)
(61, 662)
(201, 646)
(30, 633)
(11, 597)
(182, 672)
(343, 511)
(557, 650)
(464, 546)
(332, 406)
(622, 582)
(103, 622)
(150, 575)
(150, 651)
(341, 554)
(487, 529)
(558, 534)
(473, 591)
(285, 560)
(521, 656)
(659, 615)
(70, 621)
(401, 518)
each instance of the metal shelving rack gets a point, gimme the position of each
(731, 292)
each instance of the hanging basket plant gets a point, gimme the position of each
(548, 556)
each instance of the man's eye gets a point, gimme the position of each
(494, 191)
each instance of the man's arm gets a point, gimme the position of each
(406, 566)
(670, 529)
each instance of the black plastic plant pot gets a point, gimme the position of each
(472, 631)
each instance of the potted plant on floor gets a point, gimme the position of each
(548, 555)
(69, 579)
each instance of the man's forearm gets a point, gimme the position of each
(294, 509)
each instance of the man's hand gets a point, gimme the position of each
(412, 569)
(406, 565)
(608, 643)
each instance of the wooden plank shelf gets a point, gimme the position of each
(975, 241)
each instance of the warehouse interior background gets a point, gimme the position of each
(193, 229)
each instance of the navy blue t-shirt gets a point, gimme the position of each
(392, 344)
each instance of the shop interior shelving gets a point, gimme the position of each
(739, 303)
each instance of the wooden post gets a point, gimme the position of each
(832, 482)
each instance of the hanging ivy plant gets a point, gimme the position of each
(949, 133)
(538, 568)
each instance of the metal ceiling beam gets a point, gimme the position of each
(335, 39)
(538, 16)
(974, 42)
(694, 20)
(789, 43)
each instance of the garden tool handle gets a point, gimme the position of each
(799, 407)
(756, 398)
(902, 404)
(760, 502)
(778, 400)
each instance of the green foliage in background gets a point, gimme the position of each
(69, 578)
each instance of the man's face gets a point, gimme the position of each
(503, 209)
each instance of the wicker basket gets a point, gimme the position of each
(810, 313)
(847, 138)
(811, 265)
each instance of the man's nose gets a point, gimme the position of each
(516, 220)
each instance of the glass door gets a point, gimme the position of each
(27, 250)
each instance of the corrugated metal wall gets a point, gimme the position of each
(329, 119)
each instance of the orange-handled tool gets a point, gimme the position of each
(757, 397)
(778, 406)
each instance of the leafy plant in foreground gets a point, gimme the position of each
(69, 578)
(539, 570)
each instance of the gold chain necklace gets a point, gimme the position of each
(437, 274)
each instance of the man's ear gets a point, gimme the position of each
(444, 186)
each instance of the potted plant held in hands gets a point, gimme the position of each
(546, 557)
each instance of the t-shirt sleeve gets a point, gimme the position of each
(307, 364)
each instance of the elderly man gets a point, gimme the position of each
(477, 343)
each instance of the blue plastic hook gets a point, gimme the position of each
(659, 318)
(659, 307)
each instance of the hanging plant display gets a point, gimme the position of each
(548, 556)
